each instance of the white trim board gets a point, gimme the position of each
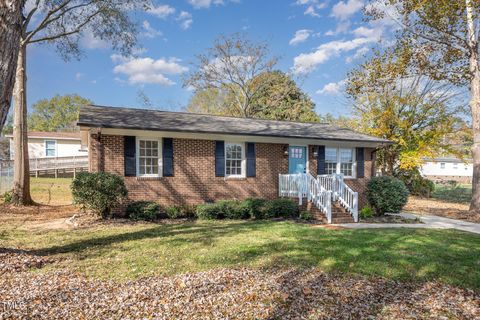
(233, 138)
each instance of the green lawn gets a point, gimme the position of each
(128, 251)
(461, 193)
(51, 191)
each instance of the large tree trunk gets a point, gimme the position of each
(21, 174)
(11, 20)
(474, 105)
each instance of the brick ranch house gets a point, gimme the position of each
(184, 158)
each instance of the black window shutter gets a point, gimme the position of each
(220, 158)
(167, 157)
(321, 160)
(360, 163)
(130, 160)
(251, 161)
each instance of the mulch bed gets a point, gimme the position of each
(224, 294)
(436, 207)
(389, 219)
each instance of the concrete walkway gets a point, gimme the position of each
(429, 222)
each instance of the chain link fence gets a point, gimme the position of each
(6, 176)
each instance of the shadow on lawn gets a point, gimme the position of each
(403, 254)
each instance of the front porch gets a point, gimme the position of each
(328, 197)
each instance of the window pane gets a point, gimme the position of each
(330, 154)
(148, 157)
(233, 159)
(346, 155)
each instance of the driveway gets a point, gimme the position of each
(429, 222)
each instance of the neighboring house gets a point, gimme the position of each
(52, 144)
(184, 158)
(448, 169)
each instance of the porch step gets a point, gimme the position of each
(339, 214)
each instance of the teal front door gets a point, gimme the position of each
(297, 159)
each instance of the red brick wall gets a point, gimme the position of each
(194, 178)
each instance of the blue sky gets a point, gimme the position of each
(317, 41)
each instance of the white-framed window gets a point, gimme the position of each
(234, 160)
(455, 165)
(346, 162)
(331, 160)
(340, 161)
(149, 158)
(50, 148)
(442, 165)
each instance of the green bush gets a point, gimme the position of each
(255, 207)
(387, 194)
(366, 212)
(285, 208)
(99, 192)
(416, 184)
(178, 212)
(209, 211)
(305, 215)
(7, 196)
(143, 210)
(233, 209)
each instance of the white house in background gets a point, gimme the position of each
(448, 169)
(52, 144)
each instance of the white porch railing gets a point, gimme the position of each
(305, 185)
(320, 197)
(341, 192)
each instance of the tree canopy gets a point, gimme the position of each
(230, 66)
(59, 113)
(278, 98)
(416, 113)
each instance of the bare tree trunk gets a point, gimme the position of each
(21, 174)
(474, 105)
(11, 20)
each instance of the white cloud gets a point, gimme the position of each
(79, 76)
(307, 62)
(300, 36)
(332, 88)
(161, 11)
(89, 41)
(185, 19)
(344, 10)
(342, 27)
(202, 4)
(149, 31)
(312, 6)
(148, 70)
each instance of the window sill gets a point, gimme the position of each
(149, 178)
(236, 178)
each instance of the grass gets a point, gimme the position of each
(51, 191)
(460, 193)
(128, 251)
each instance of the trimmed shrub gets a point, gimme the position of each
(143, 210)
(285, 208)
(99, 192)
(255, 207)
(366, 212)
(233, 209)
(178, 212)
(209, 211)
(305, 215)
(387, 194)
(416, 184)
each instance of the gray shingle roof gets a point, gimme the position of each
(143, 119)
